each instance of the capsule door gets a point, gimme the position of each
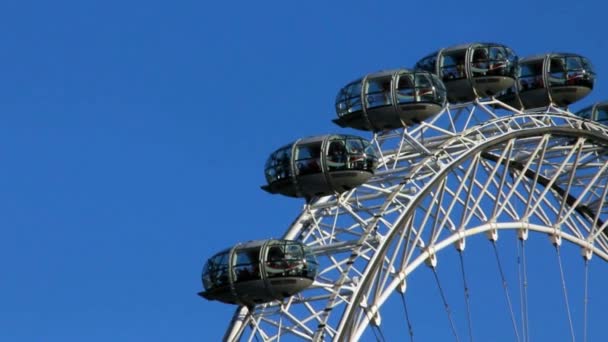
(308, 169)
(248, 282)
(349, 162)
(379, 104)
(285, 268)
(491, 69)
(533, 91)
(419, 96)
(453, 72)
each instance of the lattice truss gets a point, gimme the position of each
(475, 168)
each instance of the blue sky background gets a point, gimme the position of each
(133, 136)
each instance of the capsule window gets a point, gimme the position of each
(498, 64)
(531, 76)
(557, 72)
(439, 88)
(308, 158)
(452, 65)
(588, 65)
(246, 264)
(311, 266)
(215, 273)
(378, 92)
(290, 259)
(278, 165)
(602, 114)
(349, 99)
(284, 259)
(576, 75)
(428, 63)
(424, 88)
(585, 113)
(357, 157)
(336, 155)
(341, 101)
(480, 61)
(405, 89)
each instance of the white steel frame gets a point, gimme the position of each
(475, 168)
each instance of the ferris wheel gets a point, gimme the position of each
(471, 146)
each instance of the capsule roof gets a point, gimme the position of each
(320, 166)
(389, 99)
(258, 272)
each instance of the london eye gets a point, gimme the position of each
(471, 164)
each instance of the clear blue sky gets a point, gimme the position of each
(133, 136)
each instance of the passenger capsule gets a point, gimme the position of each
(472, 71)
(555, 78)
(320, 166)
(389, 100)
(259, 272)
(597, 112)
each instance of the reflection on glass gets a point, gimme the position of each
(378, 92)
(602, 114)
(278, 165)
(405, 89)
(246, 265)
(424, 88)
(308, 158)
(557, 72)
(428, 63)
(336, 155)
(480, 61)
(290, 259)
(452, 65)
(215, 273)
(586, 113)
(349, 99)
(531, 76)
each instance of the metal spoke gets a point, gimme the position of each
(464, 172)
(586, 300)
(523, 291)
(506, 289)
(445, 305)
(466, 296)
(407, 317)
(564, 290)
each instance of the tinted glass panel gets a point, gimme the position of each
(602, 114)
(480, 61)
(405, 89)
(336, 155)
(585, 113)
(285, 259)
(440, 91)
(246, 264)
(452, 65)
(428, 63)
(311, 265)
(278, 166)
(499, 63)
(308, 158)
(531, 76)
(378, 92)
(424, 88)
(557, 72)
(216, 271)
(576, 74)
